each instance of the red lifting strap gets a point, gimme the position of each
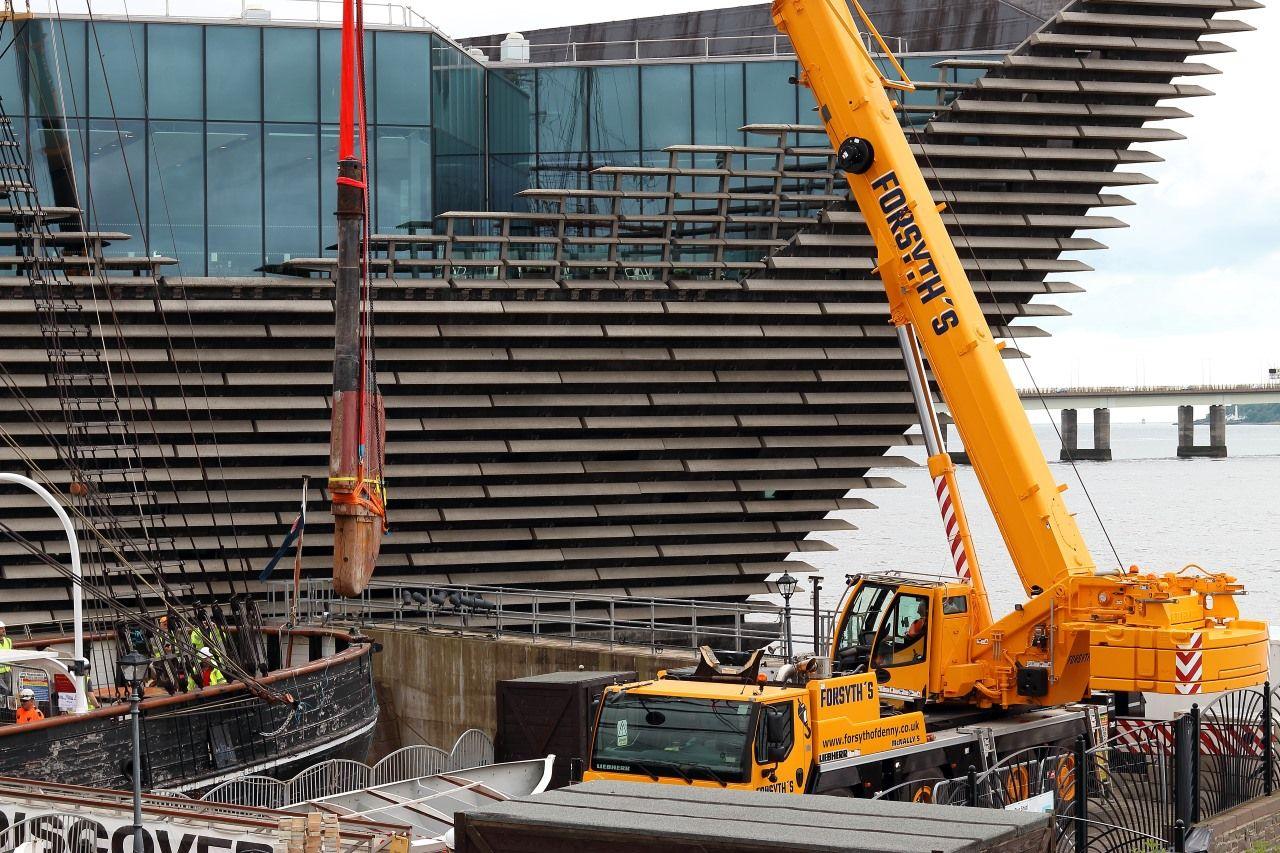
(351, 182)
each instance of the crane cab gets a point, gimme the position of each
(912, 631)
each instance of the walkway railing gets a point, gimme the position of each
(1104, 390)
(376, 12)
(697, 47)
(341, 775)
(560, 616)
(1147, 787)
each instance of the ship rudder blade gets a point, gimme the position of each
(357, 540)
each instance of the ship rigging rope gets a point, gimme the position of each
(51, 294)
(181, 385)
(1009, 329)
(126, 358)
(163, 592)
(195, 344)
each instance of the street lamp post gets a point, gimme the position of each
(787, 586)
(80, 666)
(133, 668)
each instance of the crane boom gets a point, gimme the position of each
(929, 290)
(1128, 631)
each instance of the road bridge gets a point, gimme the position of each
(1102, 399)
(1142, 396)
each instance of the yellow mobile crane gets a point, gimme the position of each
(1168, 633)
(902, 643)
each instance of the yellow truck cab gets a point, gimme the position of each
(914, 630)
(743, 727)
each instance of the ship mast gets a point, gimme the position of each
(357, 434)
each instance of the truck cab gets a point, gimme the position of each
(741, 727)
(911, 630)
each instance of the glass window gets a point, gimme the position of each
(233, 77)
(55, 74)
(718, 104)
(770, 98)
(664, 99)
(175, 64)
(176, 193)
(291, 81)
(457, 82)
(328, 188)
(118, 47)
(668, 736)
(561, 117)
(776, 735)
(402, 166)
(615, 108)
(903, 635)
(330, 65)
(58, 162)
(292, 192)
(234, 198)
(117, 158)
(403, 68)
(511, 112)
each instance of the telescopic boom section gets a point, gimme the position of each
(1170, 633)
(929, 291)
(357, 431)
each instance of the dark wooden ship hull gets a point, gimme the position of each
(192, 741)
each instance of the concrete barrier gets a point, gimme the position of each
(434, 685)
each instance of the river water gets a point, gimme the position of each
(1160, 512)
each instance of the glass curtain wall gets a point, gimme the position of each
(214, 144)
(587, 116)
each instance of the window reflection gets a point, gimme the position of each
(234, 198)
(176, 193)
(292, 192)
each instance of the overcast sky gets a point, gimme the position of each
(1187, 293)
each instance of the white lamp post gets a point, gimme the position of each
(77, 614)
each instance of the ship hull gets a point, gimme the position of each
(192, 741)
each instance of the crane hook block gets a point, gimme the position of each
(855, 155)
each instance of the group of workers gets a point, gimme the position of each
(28, 710)
(206, 674)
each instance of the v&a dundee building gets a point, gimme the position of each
(627, 328)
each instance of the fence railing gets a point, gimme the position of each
(341, 775)
(563, 616)
(689, 47)
(1147, 787)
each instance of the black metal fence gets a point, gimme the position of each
(1146, 787)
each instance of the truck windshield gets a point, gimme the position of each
(664, 736)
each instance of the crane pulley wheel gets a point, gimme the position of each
(855, 155)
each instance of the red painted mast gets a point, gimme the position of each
(356, 452)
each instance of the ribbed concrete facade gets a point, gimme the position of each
(662, 384)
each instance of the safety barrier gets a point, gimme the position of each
(473, 748)
(567, 616)
(1146, 787)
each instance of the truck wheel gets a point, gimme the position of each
(921, 784)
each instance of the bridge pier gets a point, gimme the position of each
(1217, 446)
(1070, 431)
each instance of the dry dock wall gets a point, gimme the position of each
(434, 685)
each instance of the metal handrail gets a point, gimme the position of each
(568, 616)
(1268, 387)
(706, 47)
(376, 12)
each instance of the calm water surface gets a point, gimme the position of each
(1161, 513)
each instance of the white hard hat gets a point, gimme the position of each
(27, 693)
(1, 624)
(206, 653)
